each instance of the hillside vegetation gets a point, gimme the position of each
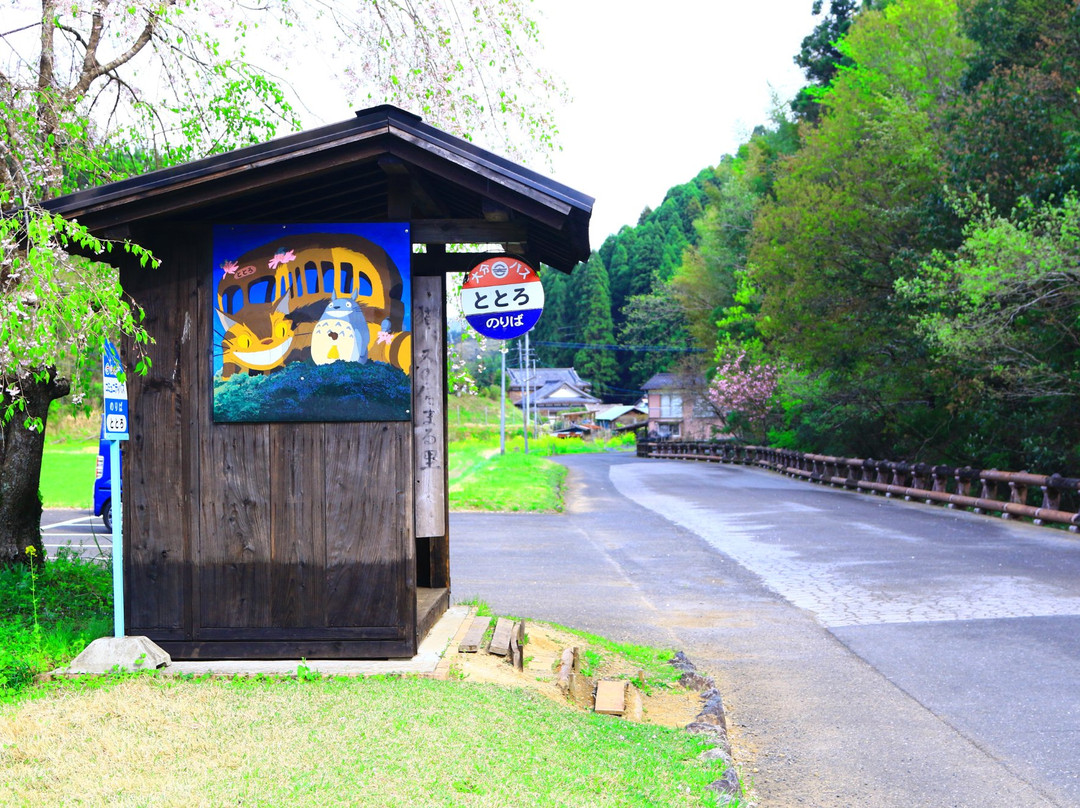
(900, 245)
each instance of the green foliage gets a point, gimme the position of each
(819, 56)
(48, 614)
(595, 365)
(1002, 315)
(590, 662)
(639, 260)
(654, 319)
(1014, 133)
(849, 219)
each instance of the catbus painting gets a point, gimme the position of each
(311, 323)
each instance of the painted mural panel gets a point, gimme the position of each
(311, 323)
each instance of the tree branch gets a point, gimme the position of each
(93, 70)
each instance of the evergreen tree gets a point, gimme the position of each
(819, 57)
(594, 364)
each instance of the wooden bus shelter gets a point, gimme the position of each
(303, 539)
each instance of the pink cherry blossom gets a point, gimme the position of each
(743, 386)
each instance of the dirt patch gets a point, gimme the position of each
(662, 702)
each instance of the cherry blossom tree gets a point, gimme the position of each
(96, 90)
(743, 391)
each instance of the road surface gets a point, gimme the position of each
(871, 652)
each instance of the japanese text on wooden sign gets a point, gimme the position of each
(502, 297)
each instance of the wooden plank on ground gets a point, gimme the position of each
(611, 697)
(475, 636)
(567, 668)
(500, 640)
(517, 636)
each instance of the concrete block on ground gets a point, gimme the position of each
(124, 653)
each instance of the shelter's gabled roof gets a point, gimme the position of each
(352, 172)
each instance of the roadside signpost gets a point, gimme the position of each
(115, 429)
(503, 298)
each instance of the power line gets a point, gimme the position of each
(646, 348)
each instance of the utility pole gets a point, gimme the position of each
(535, 410)
(502, 400)
(528, 393)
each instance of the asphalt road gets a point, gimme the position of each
(76, 531)
(871, 652)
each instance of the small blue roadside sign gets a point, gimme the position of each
(115, 429)
(116, 400)
(502, 297)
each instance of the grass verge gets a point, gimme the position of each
(483, 480)
(389, 742)
(383, 741)
(48, 615)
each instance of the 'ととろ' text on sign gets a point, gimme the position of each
(502, 298)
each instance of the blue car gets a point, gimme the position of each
(103, 486)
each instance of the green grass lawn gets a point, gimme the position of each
(377, 741)
(304, 741)
(483, 480)
(68, 467)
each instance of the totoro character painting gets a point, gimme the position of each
(342, 333)
(311, 323)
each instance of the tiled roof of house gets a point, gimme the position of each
(559, 394)
(611, 413)
(675, 381)
(538, 377)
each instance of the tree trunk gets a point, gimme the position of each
(20, 472)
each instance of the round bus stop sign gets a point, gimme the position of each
(502, 297)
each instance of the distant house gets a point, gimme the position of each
(678, 408)
(521, 380)
(621, 416)
(551, 391)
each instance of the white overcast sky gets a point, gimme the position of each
(659, 90)
(664, 91)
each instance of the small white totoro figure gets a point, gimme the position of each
(341, 334)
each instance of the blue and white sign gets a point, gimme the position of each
(116, 399)
(502, 297)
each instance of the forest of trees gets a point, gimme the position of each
(900, 243)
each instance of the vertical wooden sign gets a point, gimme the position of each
(429, 401)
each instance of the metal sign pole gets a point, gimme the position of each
(502, 401)
(117, 539)
(528, 396)
(114, 430)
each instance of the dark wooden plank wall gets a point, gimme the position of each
(258, 539)
(299, 525)
(157, 463)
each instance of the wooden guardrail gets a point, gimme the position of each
(1009, 493)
